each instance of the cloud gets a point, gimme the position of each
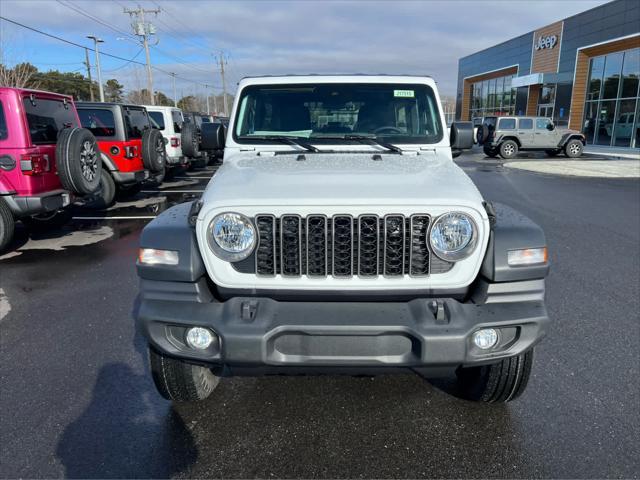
(265, 37)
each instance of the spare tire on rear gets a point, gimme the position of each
(154, 152)
(78, 160)
(482, 134)
(190, 139)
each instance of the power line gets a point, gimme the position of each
(127, 62)
(117, 57)
(88, 15)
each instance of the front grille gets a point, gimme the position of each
(344, 246)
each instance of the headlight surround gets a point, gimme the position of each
(231, 236)
(453, 236)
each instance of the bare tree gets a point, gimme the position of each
(21, 74)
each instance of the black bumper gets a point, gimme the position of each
(24, 206)
(262, 332)
(129, 178)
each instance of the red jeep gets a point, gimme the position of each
(131, 150)
(46, 159)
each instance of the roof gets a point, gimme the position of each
(33, 90)
(337, 78)
(107, 104)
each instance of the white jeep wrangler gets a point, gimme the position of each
(339, 236)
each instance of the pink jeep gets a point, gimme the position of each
(46, 160)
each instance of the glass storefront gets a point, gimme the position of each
(493, 97)
(612, 108)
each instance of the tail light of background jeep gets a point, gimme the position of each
(34, 164)
(175, 142)
(130, 151)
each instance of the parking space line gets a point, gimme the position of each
(171, 191)
(132, 217)
(190, 178)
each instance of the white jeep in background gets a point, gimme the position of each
(170, 121)
(339, 236)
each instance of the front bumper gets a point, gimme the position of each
(24, 206)
(262, 332)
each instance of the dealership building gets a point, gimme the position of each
(582, 71)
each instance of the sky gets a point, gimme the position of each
(273, 37)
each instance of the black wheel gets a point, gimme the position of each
(490, 152)
(128, 191)
(552, 153)
(154, 152)
(190, 140)
(497, 383)
(181, 381)
(48, 221)
(106, 193)
(573, 148)
(508, 149)
(78, 160)
(7, 225)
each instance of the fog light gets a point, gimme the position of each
(199, 338)
(485, 338)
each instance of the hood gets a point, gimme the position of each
(248, 179)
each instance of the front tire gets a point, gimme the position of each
(497, 383)
(573, 149)
(508, 149)
(181, 381)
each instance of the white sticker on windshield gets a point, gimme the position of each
(404, 93)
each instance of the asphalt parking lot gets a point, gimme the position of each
(76, 398)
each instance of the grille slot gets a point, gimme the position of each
(419, 255)
(291, 245)
(266, 249)
(343, 246)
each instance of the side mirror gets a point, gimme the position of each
(550, 127)
(461, 137)
(213, 136)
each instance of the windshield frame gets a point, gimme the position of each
(241, 140)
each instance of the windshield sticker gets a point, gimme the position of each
(404, 93)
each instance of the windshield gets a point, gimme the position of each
(399, 113)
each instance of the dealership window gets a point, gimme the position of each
(493, 97)
(611, 108)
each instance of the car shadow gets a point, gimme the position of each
(127, 431)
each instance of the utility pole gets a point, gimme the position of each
(88, 65)
(175, 97)
(96, 41)
(206, 87)
(223, 61)
(215, 103)
(144, 29)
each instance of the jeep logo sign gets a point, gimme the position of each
(546, 42)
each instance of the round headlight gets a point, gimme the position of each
(231, 236)
(453, 236)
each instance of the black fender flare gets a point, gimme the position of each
(510, 230)
(173, 230)
(569, 136)
(504, 138)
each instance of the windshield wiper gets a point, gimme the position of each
(283, 139)
(366, 139)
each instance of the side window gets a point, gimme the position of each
(45, 117)
(525, 124)
(541, 123)
(176, 116)
(158, 118)
(4, 132)
(507, 124)
(136, 121)
(101, 122)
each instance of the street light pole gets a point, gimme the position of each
(175, 96)
(207, 94)
(96, 41)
